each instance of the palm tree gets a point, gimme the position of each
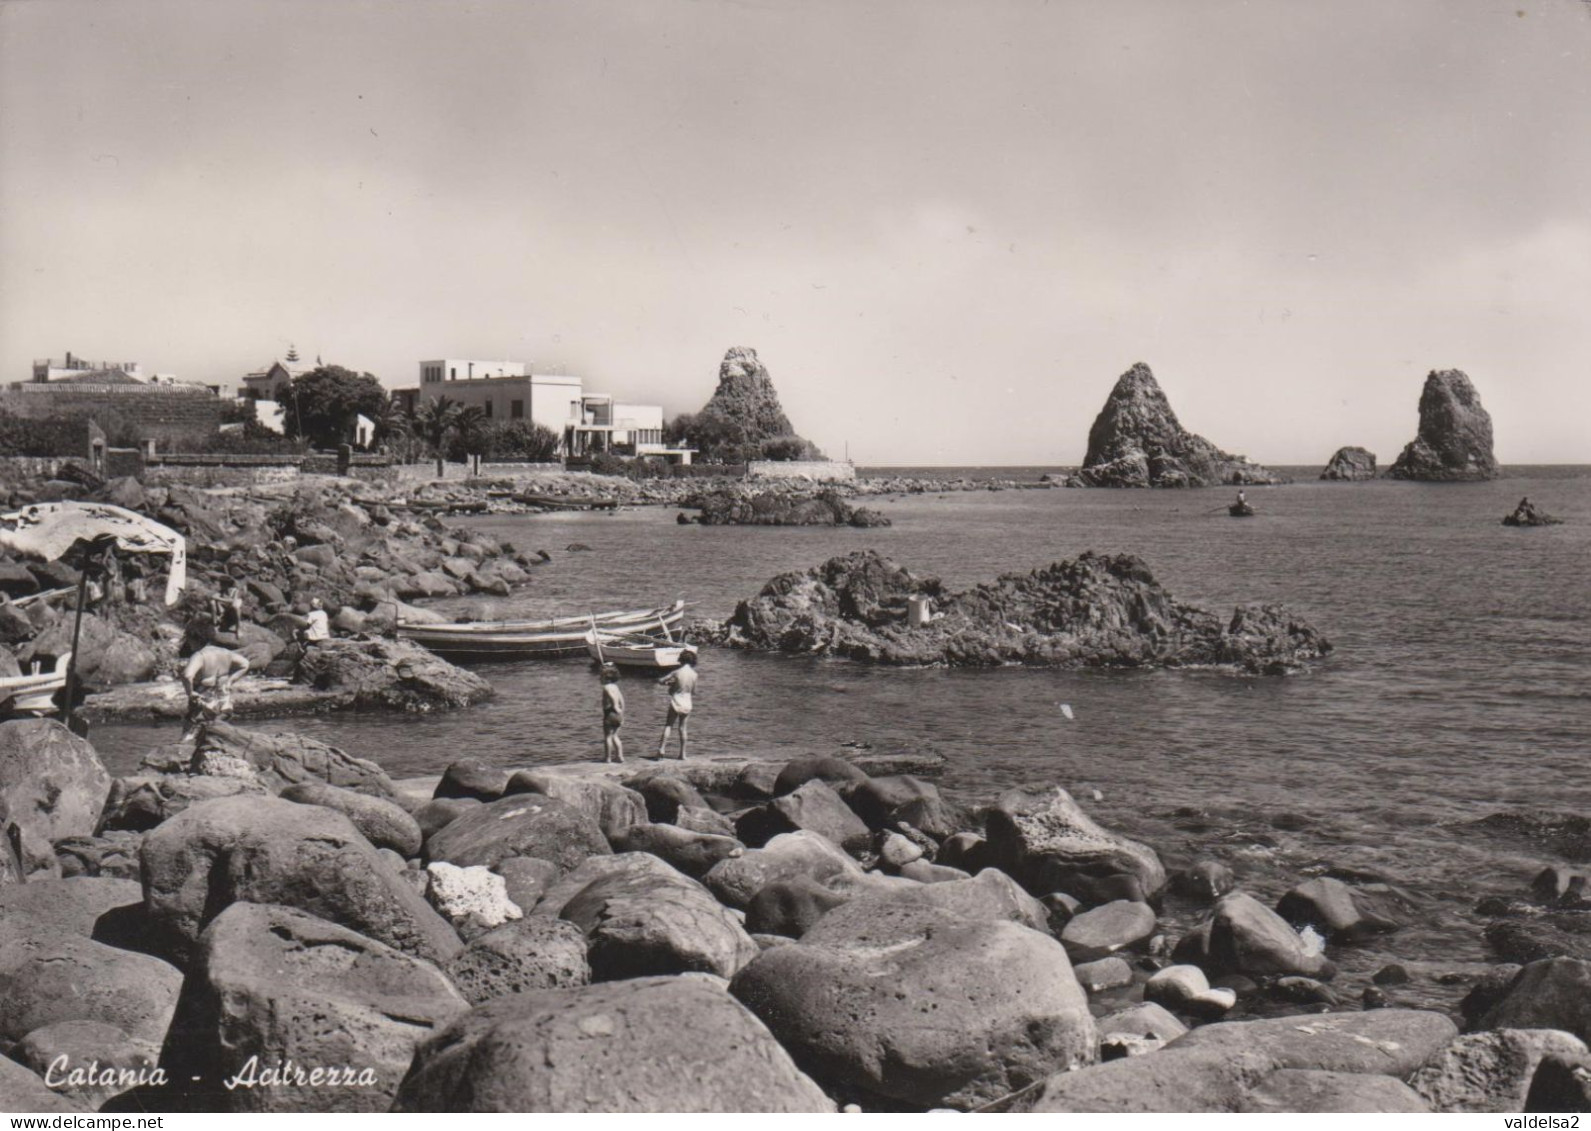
(390, 422)
(436, 420)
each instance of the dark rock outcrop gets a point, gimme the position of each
(284, 759)
(742, 420)
(731, 506)
(1528, 514)
(1137, 441)
(1352, 465)
(1454, 442)
(394, 674)
(51, 781)
(1096, 611)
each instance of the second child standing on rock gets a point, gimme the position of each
(680, 684)
(612, 715)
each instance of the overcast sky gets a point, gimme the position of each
(947, 227)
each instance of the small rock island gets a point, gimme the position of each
(1351, 465)
(1454, 442)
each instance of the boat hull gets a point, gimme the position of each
(531, 640)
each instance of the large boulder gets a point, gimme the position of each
(271, 984)
(1352, 465)
(665, 795)
(814, 807)
(526, 824)
(1497, 1071)
(391, 674)
(1137, 441)
(1045, 840)
(106, 656)
(790, 907)
(283, 759)
(1454, 441)
(1246, 937)
(885, 802)
(51, 781)
(645, 1045)
(473, 899)
(693, 853)
(797, 772)
(88, 1061)
(1291, 1090)
(990, 895)
(36, 916)
(1553, 993)
(922, 1006)
(78, 979)
(533, 953)
(266, 850)
(384, 823)
(1329, 906)
(614, 808)
(641, 917)
(1103, 931)
(140, 803)
(737, 880)
(1217, 1068)
(22, 1089)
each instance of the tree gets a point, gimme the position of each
(510, 439)
(324, 403)
(390, 422)
(440, 418)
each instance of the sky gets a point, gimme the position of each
(946, 226)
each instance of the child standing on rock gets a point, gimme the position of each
(680, 684)
(612, 715)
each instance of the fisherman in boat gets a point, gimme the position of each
(1242, 499)
(612, 715)
(680, 682)
(207, 679)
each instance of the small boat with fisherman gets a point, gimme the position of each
(1241, 508)
(535, 639)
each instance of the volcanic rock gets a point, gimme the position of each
(614, 808)
(1293, 1090)
(284, 759)
(384, 823)
(641, 917)
(107, 1061)
(922, 1006)
(526, 824)
(690, 852)
(644, 1045)
(106, 656)
(265, 850)
(742, 420)
(51, 781)
(1353, 465)
(1329, 906)
(735, 881)
(1554, 993)
(533, 953)
(1045, 840)
(277, 984)
(475, 898)
(1246, 937)
(139, 803)
(394, 674)
(1497, 1071)
(1096, 611)
(814, 807)
(738, 506)
(1137, 441)
(78, 979)
(22, 1089)
(1454, 441)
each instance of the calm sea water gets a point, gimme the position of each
(1459, 686)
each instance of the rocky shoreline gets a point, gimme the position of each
(260, 907)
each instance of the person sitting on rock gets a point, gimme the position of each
(226, 614)
(612, 715)
(316, 624)
(680, 684)
(207, 679)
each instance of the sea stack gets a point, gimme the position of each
(1137, 441)
(743, 419)
(1454, 443)
(1352, 465)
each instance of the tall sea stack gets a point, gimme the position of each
(743, 420)
(1454, 443)
(1136, 441)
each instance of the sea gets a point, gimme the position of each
(1459, 685)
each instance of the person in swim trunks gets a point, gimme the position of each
(207, 679)
(612, 715)
(680, 683)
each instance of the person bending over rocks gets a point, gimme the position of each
(680, 684)
(612, 715)
(207, 679)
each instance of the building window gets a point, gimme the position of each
(516, 410)
(488, 410)
(453, 373)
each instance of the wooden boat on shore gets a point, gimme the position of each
(650, 653)
(33, 693)
(1240, 510)
(534, 639)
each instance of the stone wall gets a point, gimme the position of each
(171, 415)
(817, 471)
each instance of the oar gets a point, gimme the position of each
(663, 624)
(596, 637)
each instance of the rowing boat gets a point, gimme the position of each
(635, 650)
(533, 639)
(34, 693)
